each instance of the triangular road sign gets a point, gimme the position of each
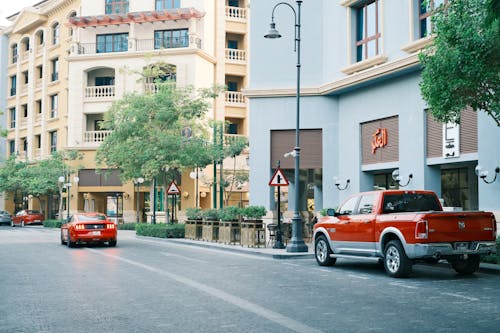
(278, 179)
(173, 188)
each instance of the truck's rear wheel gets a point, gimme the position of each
(466, 266)
(396, 262)
(322, 252)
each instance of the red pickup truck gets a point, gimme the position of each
(401, 228)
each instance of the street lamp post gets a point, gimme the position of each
(297, 243)
(138, 182)
(67, 185)
(61, 180)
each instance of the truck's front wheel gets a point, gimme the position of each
(466, 266)
(322, 252)
(396, 262)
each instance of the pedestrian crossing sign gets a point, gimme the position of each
(278, 179)
(173, 188)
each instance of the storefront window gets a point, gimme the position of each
(384, 181)
(455, 188)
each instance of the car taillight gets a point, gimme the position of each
(110, 226)
(79, 227)
(421, 230)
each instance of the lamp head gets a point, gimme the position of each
(273, 33)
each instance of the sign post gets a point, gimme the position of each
(174, 190)
(278, 180)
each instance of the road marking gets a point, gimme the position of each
(473, 299)
(358, 277)
(166, 254)
(279, 319)
(402, 285)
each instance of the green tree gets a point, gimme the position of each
(36, 179)
(462, 67)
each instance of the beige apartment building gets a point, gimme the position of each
(101, 45)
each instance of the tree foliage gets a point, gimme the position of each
(462, 67)
(155, 132)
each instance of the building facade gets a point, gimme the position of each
(107, 44)
(362, 116)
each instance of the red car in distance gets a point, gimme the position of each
(27, 216)
(89, 228)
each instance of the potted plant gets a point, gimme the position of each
(211, 214)
(252, 230)
(193, 229)
(229, 229)
(254, 212)
(210, 230)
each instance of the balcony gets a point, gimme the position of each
(229, 138)
(235, 98)
(99, 92)
(236, 13)
(236, 56)
(95, 137)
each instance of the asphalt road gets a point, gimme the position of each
(154, 285)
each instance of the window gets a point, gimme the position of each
(25, 77)
(425, 9)
(38, 141)
(53, 141)
(366, 204)
(112, 43)
(349, 206)
(13, 84)
(167, 4)
(55, 33)
(116, 6)
(232, 44)
(232, 86)
(25, 145)
(12, 114)
(104, 81)
(456, 188)
(55, 69)
(165, 39)
(54, 102)
(39, 71)
(233, 3)
(38, 106)
(384, 181)
(367, 32)
(12, 147)
(14, 53)
(25, 110)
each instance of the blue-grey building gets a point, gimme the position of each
(362, 115)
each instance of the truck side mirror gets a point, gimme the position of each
(330, 212)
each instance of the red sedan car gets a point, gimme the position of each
(27, 216)
(88, 228)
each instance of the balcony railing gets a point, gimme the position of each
(234, 55)
(235, 98)
(236, 13)
(98, 92)
(229, 138)
(95, 137)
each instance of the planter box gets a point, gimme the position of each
(253, 233)
(193, 229)
(229, 232)
(210, 231)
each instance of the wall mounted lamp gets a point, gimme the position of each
(397, 178)
(336, 181)
(481, 173)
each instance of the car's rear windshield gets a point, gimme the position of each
(85, 218)
(33, 211)
(410, 202)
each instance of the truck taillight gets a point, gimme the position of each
(110, 226)
(494, 226)
(421, 230)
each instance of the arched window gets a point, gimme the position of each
(71, 14)
(55, 33)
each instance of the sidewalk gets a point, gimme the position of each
(283, 254)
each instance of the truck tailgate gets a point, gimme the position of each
(460, 226)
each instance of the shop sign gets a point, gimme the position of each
(451, 140)
(379, 139)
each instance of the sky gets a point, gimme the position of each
(9, 7)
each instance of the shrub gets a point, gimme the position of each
(161, 230)
(254, 212)
(211, 214)
(194, 213)
(493, 258)
(52, 223)
(230, 213)
(126, 226)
